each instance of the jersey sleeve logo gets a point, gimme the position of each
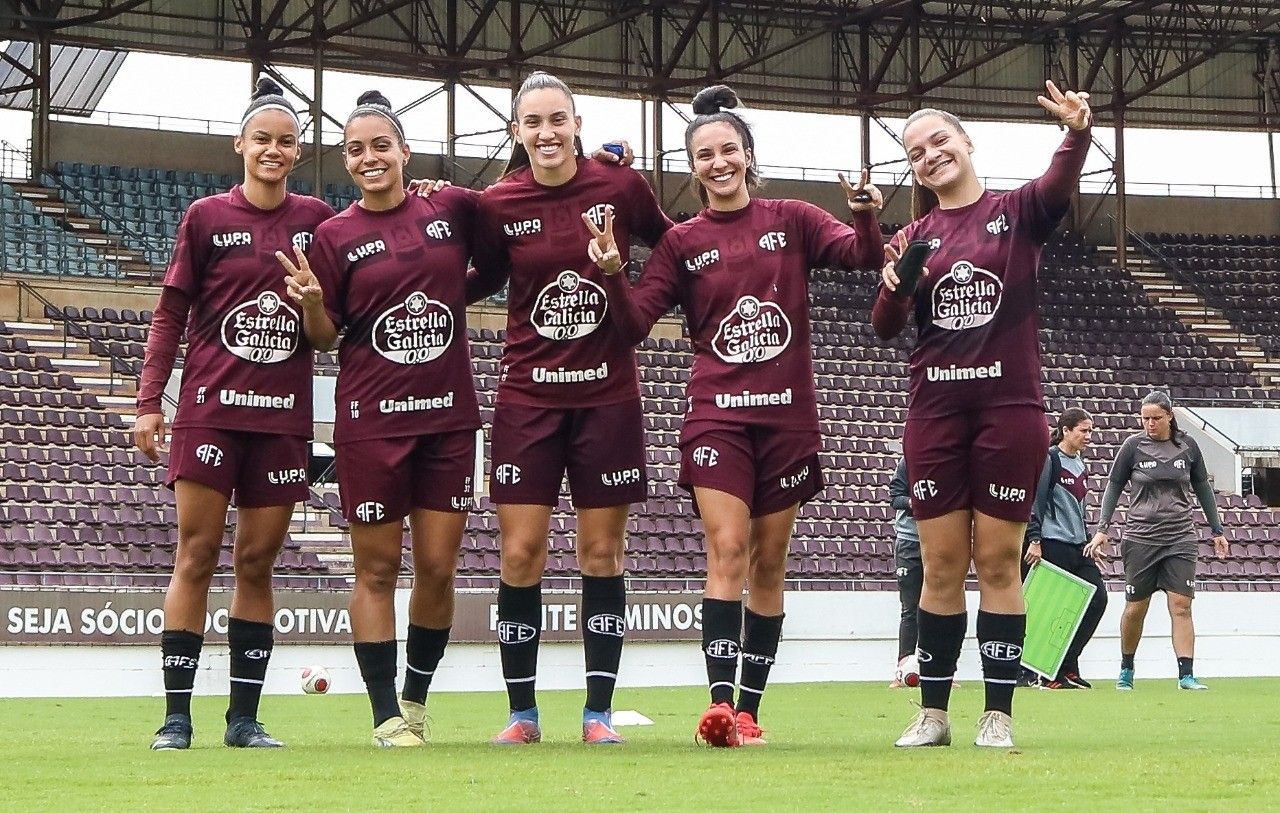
(753, 331)
(263, 330)
(966, 297)
(569, 308)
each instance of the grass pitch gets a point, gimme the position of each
(1156, 748)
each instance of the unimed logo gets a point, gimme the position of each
(607, 624)
(508, 474)
(370, 511)
(209, 454)
(705, 456)
(722, 648)
(513, 632)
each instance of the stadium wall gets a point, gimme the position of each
(829, 636)
(196, 152)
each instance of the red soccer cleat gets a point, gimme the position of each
(718, 727)
(749, 731)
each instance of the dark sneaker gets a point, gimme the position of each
(174, 735)
(246, 732)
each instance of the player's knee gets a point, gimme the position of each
(1180, 607)
(197, 557)
(600, 556)
(524, 558)
(434, 573)
(378, 574)
(768, 565)
(253, 563)
(727, 549)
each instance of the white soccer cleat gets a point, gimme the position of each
(395, 733)
(415, 716)
(931, 727)
(995, 730)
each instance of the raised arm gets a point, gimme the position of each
(1055, 187)
(634, 313)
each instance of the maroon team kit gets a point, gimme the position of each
(406, 398)
(244, 409)
(742, 278)
(568, 396)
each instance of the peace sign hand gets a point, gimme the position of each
(1071, 108)
(864, 197)
(303, 287)
(602, 248)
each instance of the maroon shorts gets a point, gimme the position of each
(768, 469)
(601, 448)
(383, 479)
(987, 461)
(260, 469)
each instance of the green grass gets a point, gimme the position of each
(1154, 748)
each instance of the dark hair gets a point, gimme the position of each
(538, 80)
(1162, 400)
(711, 105)
(1069, 419)
(923, 199)
(268, 95)
(373, 103)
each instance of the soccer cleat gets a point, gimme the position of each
(522, 729)
(931, 727)
(718, 727)
(415, 716)
(897, 683)
(749, 731)
(1124, 683)
(995, 730)
(1058, 683)
(1189, 682)
(1075, 679)
(1029, 680)
(395, 733)
(174, 735)
(597, 728)
(246, 732)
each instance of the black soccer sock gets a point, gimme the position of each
(423, 651)
(377, 661)
(604, 606)
(941, 637)
(1000, 639)
(519, 630)
(250, 643)
(180, 653)
(1126, 661)
(760, 636)
(721, 634)
(1184, 668)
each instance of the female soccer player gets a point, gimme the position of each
(750, 440)
(244, 410)
(1057, 532)
(568, 397)
(1161, 466)
(393, 272)
(975, 429)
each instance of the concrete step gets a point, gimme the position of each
(28, 328)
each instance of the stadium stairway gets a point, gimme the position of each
(75, 216)
(1164, 289)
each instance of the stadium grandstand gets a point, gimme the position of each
(1175, 291)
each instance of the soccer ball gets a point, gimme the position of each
(908, 672)
(315, 680)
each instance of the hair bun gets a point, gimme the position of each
(373, 97)
(266, 86)
(714, 99)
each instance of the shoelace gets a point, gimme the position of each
(994, 727)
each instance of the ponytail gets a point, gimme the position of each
(538, 80)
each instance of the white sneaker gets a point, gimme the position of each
(931, 727)
(995, 730)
